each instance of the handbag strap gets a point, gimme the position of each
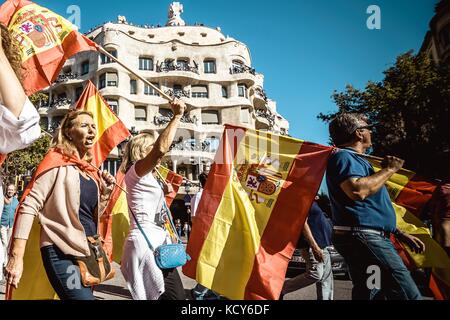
(141, 229)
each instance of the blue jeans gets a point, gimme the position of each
(64, 275)
(364, 252)
(317, 272)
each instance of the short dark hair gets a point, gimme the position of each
(202, 178)
(343, 127)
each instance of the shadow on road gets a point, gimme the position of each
(113, 290)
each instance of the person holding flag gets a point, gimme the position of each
(69, 196)
(146, 204)
(19, 120)
(364, 217)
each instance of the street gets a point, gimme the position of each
(115, 289)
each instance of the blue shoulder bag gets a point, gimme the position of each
(167, 256)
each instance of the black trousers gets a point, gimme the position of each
(173, 285)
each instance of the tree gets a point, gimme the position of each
(23, 162)
(409, 109)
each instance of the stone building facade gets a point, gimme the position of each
(212, 73)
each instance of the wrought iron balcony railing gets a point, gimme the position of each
(60, 102)
(236, 69)
(178, 93)
(66, 77)
(260, 91)
(167, 67)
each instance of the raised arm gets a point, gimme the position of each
(12, 94)
(358, 189)
(162, 145)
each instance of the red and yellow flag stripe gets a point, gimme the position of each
(46, 41)
(410, 194)
(252, 211)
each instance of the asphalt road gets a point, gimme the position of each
(116, 289)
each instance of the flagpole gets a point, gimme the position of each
(162, 93)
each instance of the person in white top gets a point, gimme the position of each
(145, 200)
(19, 119)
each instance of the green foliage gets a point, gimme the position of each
(409, 109)
(25, 161)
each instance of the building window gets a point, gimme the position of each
(78, 92)
(133, 86)
(209, 66)
(166, 112)
(149, 91)
(108, 79)
(224, 92)
(200, 92)
(112, 166)
(245, 115)
(85, 67)
(105, 59)
(211, 144)
(242, 90)
(145, 63)
(210, 117)
(140, 113)
(114, 104)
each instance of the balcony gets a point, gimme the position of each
(238, 69)
(261, 93)
(265, 117)
(168, 67)
(66, 77)
(178, 93)
(194, 146)
(162, 120)
(60, 103)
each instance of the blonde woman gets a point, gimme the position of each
(145, 199)
(68, 196)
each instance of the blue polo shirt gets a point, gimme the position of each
(374, 212)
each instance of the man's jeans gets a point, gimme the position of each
(319, 273)
(363, 253)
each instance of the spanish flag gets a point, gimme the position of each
(46, 41)
(115, 222)
(252, 211)
(410, 194)
(110, 130)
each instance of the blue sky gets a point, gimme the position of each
(305, 48)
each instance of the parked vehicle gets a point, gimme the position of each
(297, 264)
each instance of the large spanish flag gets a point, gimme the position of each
(46, 41)
(115, 222)
(410, 194)
(252, 211)
(110, 130)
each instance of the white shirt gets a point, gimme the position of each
(145, 198)
(18, 133)
(195, 201)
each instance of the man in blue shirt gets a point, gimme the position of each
(7, 221)
(363, 215)
(314, 243)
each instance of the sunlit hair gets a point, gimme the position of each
(62, 141)
(138, 148)
(12, 52)
(343, 127)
